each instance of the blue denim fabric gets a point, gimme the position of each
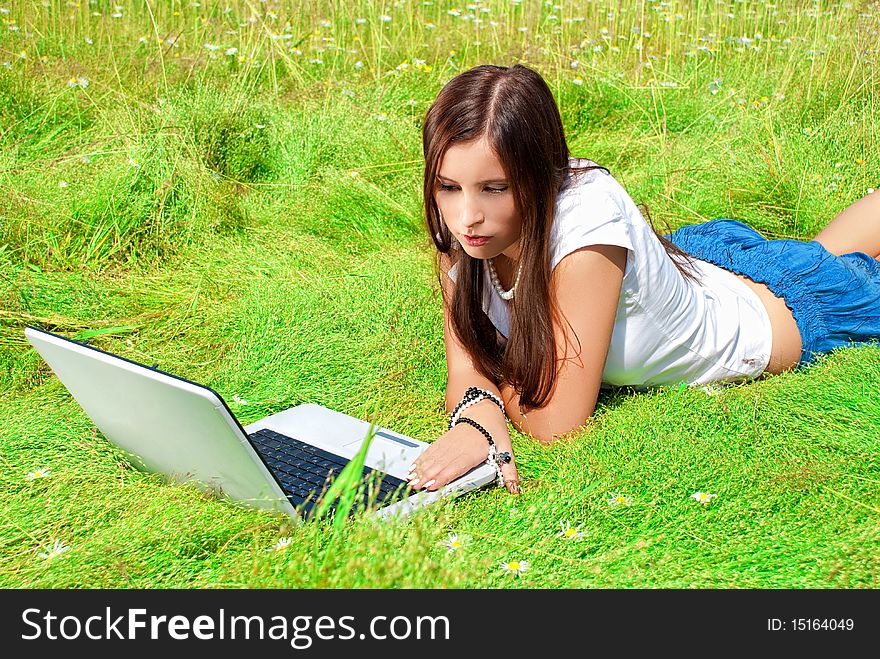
(835, 300)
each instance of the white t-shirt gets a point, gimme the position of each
(668, 329)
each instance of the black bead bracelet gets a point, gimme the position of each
(494, 460)
(471, 396)
(470, 421)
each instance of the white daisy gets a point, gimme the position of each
(39, 473)
(703, 497)
(282, 544)
(454, 542)
(57, 548)
(515, 568)
(570, 532)
(616, 499)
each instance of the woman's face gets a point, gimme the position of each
(475, 199)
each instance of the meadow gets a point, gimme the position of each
(232, 190)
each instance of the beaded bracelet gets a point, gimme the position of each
(472, 396)
(495, 459)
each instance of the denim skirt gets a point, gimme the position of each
(835, 300)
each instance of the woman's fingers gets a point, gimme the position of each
(511, 478)
(434, 475)
(445, 460)
(434, 469)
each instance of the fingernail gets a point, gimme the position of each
(413, 483)
(429, 483)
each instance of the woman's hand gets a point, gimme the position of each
(456, 452)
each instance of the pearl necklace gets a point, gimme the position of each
(496, 283)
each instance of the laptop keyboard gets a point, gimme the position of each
(304, 471)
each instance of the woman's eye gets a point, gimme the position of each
(447, 188)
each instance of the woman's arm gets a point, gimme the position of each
(587, 285)
(464, 447)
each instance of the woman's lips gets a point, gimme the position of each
(476, 241)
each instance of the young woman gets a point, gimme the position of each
(554, 284)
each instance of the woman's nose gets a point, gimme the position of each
(471, 215)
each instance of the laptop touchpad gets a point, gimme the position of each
(387, 451)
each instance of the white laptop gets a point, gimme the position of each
(187, 432)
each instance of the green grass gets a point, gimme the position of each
(252, 221)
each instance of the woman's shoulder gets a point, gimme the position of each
(590, 193)
(587, 177)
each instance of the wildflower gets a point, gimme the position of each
(360, 21)
(358, 64)
(454, 542)
(385, 19)
(703, 497)
(44, 59)
(89, 41)
(430, 26)
(859, 161)
(240, 401)
(869, 191)
(570, 532)
(62, 184)
(326, 23)
(282, 544)
(515, 568)
(82, 82)
(577, 81)
(133, 162)
(807, 130)
(711, 389)
(382, 117)
(42, 472)
(57, 548)
(211, 47)
(231, 51)
(617, 499)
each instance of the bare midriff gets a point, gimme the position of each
(786, 351)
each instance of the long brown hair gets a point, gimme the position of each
(515, 110)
